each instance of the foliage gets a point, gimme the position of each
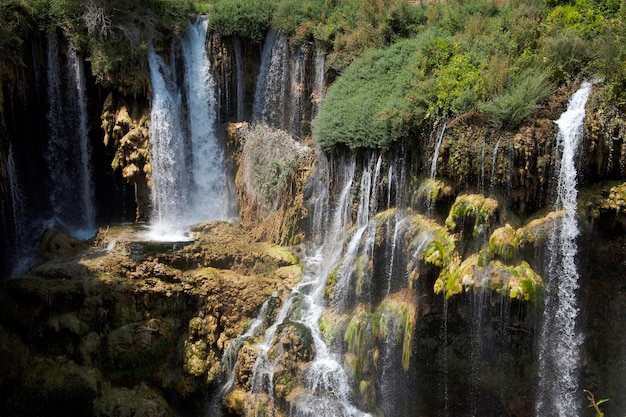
(246, 18)
(270, 158)
(593, 403)
(359, 106)
(519, 100)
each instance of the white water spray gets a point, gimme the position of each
(190, 182)
(210, 183)
(558, 392)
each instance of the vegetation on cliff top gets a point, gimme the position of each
(416, 62)
(498, 59)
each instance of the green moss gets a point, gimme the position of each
(439, 250)
(503, 243)
(331, 281)
(363, 273)
(474, 208)
(395, 318)
(358, 338)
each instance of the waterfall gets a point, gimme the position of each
(319, 80)
(433, 165)
(169, 163)
(558, 390)
(297, 92)
(270, 97)
(69, 151)
(210, 183)
(325, 385)
(190, 182)
(239, 88)
(22, 247)
(494, 161)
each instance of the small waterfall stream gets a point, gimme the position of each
(559, 362)
(325, 387)
(239, 78)
(71, 190)
(271, 95)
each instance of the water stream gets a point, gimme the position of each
(190, 181)
(559, 357)
(71, 190)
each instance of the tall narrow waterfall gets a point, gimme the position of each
(169, 162)
(69, 150)
(190, 181)
(558, 392)
(210, 182)
(319, 80)
(270, 97)
(239, 78)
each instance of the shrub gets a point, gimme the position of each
(269, 160)
(567, 54)
(361, 107)
(245, 18)
(519, 100)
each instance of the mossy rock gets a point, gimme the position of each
(538, 231)
(395, 319)
(517, 281)
(57, 387)
(478, 210)
(141, 401)
(502, 245)
(139, 345)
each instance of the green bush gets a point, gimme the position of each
(519, 100)
(567, 54)
(245, 18)
(360, 108)
(269, 160)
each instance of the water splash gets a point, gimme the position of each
(560, 341)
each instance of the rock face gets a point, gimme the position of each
(117, 327)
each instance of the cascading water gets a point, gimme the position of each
(319, 81)
(271, 95)
(325, 385)
(433, 165)
(296, 93)
(22, 248)
(558, 391)
(169, 162)
(69, 151)
(239, 88)
(210, 183)
(190, 183)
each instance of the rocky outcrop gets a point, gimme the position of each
(126, 130)
(272, 169)
(124, 325)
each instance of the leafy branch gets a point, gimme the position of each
(593, 403)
